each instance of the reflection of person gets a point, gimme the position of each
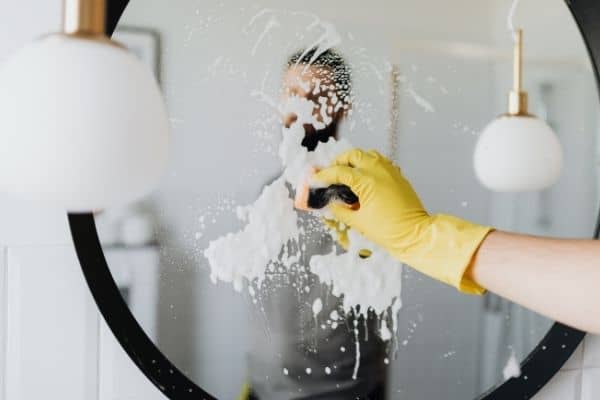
(293, 354)
(558, 278)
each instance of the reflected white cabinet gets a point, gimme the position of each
(51, 326)
(136, 272)
(119, 378)
(54, 343)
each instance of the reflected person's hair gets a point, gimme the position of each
(341, 76)
(330, 59)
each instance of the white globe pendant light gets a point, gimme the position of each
(83, 125)
(517, 151)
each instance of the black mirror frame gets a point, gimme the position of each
(537, 369)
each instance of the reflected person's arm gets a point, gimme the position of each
(559, 278)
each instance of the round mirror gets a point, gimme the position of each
(234, 285)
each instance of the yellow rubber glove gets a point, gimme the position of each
(245, 392)
(392, 216)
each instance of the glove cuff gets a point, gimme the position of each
(445, 251)
(464, 239)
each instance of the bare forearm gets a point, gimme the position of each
(555, 277)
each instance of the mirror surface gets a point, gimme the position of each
(426, 78)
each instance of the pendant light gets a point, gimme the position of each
(517, 151)
(83, 125)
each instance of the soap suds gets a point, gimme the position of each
(512, 368)
(271, 224)
(271, 24)
(370, 283)
(328, 39)
(317, 307)
(373, 282)
(385, 332)
(357, 347)
(421, 101)
(271, 237)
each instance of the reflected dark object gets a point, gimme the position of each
(314, 136)
(537, 369)
(319, 197)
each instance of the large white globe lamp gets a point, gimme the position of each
(517, 151)
(83, 125)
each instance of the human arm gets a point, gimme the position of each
(558, 278)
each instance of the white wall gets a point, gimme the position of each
(24, 223)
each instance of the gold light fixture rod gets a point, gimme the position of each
(518, 61)
(84, 17)
(517, 98)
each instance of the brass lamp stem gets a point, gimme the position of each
(518, 61)
(517, 99)
(84, 17)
